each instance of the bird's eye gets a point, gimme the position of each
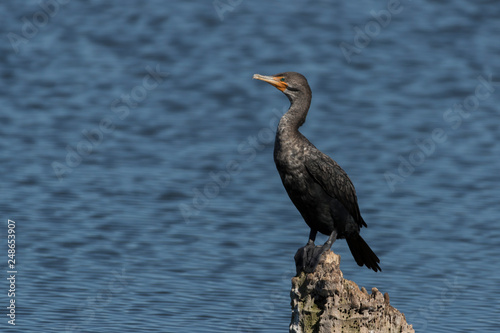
(282, 79)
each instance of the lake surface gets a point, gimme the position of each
(136, 159)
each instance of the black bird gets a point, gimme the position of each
(316, 184)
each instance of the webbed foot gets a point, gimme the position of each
(308, 257)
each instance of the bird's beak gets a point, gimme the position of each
(274, 80)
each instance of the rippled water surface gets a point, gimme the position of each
(136, 158)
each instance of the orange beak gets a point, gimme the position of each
(274, 80)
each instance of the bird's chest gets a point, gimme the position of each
(289, 158)
(289, 155)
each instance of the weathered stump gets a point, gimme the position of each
(325, 302)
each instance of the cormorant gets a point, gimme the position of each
(316, 184)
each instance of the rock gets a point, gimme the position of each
(325, 302)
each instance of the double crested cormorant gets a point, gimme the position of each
(316, 184)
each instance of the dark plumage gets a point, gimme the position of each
(316, 184)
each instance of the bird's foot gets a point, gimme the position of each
(308, 257)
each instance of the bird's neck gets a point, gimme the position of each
(295, 116)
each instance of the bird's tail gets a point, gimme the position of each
(362, 253)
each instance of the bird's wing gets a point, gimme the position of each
(335, 182)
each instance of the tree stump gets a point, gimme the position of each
(325, 302)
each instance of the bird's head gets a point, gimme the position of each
(292, 84)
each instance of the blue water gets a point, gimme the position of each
(172, 217)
